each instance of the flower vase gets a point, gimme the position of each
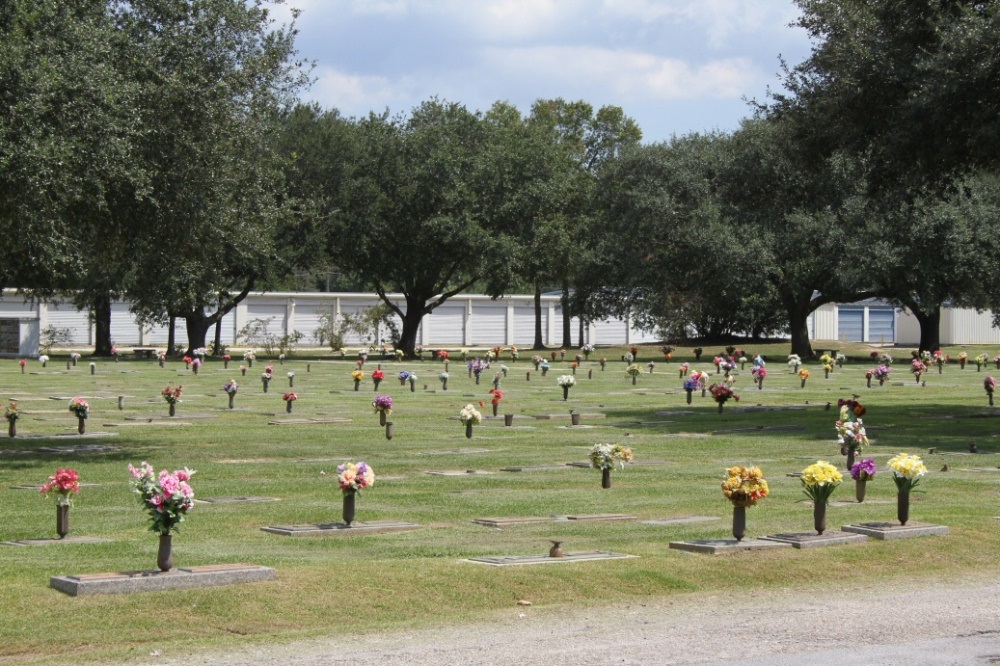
(477, 378)
(468, 430)
(590, 373)
(527, 376)
(121, 402)
(720, 407)
(743, 365)
(739, 522)
(232, 400)
(633, 380)
(288, 406)
(826, 373)
(265, 383)
(544, 371)
(869, 380)
(291, 382)
(504, 371)
(81, 425)
(961, 363)
(388, 430)
(557, 550)
(565, 392)
(903, 506)
(413, 387)
(250, 362)
(173, 409)
(703, 390)
(689, 392)
(495, 408)
(243, 371)
(574, 418)
(165, 553)
(195, 369)
(225, 364)
(819, 517)
(803, 384)
(62, 520)
(357, 384)
(508, 420)
(916, 376)
(444, 384)
(376, 382)
(860, 486)
(93, 369)
(381, 418)
(161, 362)
(940, 369)
(605, 477)
(574, 370)
(349, 506)
(851, 451)
(12, 428)
(760, 384)
(990, 396)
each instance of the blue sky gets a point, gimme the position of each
(675, 66)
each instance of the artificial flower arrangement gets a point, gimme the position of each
(195, 364)
(11, 412)
(864, 470)
(990, 385)
(444, 376)
(742, 360)
(607, 456)
(74, 357)
(200, 352)
(514, 352)
(906, 471)
(851, 433)
(840, 359)
(250, 356)
(886, 359)
(383, 403)
(759, 372)
(357, 375)
(378, 376)
(826, 359)
(64, 483)
(567, 381)
(938, 358)
(918, 367)
(187, 360)
(291, 396)
(172, 395)
(721, 393)
(794, 361)
(80, 407)
(353, 477)
(587, 350)
(881, 373)
(650, 366)
(44, 360)
(691, 384)
(632, 371)
(403, 376)
(963, 358)
(443, 354)
(803, 375)
(745, 486)
(231, 387)
(819, 480)
(470, 416)
(412, 379)
(167, 497)
(536, 360)
(981, 360)
(476, 366)
(497, 396)
(683, 368)
(497, 379)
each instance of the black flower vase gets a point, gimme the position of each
(381, 418)
(605, 477)
(851, 451)
(819, 517)
(739, 522)
(288, 406)
(903, 506)
(349, 506)
(565, 392)
(81, 425)
(62, 520)
(12, 428)
(688, 391)
(468, 430)
(232, 398)
(173, 409)
(165, 553)
(860, 489)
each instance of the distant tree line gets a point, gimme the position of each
(156, 150)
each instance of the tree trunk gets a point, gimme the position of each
(101, 312)
(198, 324)
(218, 337)
(930, 328)
(539, 339)
(172, 335)
(567, 329)
(411, 322)
(798, 325)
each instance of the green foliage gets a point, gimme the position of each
(257, 334)
(53, 336)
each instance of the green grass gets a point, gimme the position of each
(378, 582)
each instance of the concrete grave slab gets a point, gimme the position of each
(602, 516)
(533, 468)
(582, 556)
(684, 520)
(449, 452)
(70, 540)
(505, 522)
(893, 531)
(813, 540)
(456, 472)
(279, 422)
(549, 417)
(777, 428)
(235, 499)
(157, 424)
(59, 450)
(181, 578)
(726, 546)
(331, 529)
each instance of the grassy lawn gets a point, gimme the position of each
(366, 583)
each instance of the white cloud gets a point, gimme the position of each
(356, 95)
(628, 75)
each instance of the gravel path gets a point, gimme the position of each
(937, 625)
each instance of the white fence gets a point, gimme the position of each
(464, 320)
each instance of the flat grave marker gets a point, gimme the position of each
(180, 578)
(814, 540)
(337, 529)
(891, 531)
(726, 546)
(70, 540)
(582, 556)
